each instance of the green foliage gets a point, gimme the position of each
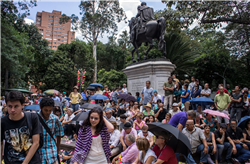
(111, 78)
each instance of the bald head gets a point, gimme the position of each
(190, 125)
(221, 89)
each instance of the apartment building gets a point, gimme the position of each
(55, 33)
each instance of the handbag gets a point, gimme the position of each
(48, 131)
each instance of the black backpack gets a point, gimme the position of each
(29, 120)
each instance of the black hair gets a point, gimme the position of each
(14, 96)
(158, 101)
(186, 85)
(137, 94)
(143, 3)
(122, 99)
(246, 127)
(193, 77)
(148, 82)
(180, 86)
(101, 123)
(46, 101)
(233, 119)
(129, 93)
(245, 92)
(152, 116)
(170, 78)
(206, 126)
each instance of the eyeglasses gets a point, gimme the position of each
(145, 132)
(94, 118)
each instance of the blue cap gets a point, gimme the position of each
(155, 91)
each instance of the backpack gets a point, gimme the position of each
(29, 120)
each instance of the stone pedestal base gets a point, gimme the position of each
(156, 71)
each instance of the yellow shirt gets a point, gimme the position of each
(75, 98)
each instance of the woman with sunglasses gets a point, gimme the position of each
(92, 144)
(165, 154)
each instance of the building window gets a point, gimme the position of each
(55, 39)
(59, 32)
(40, 29)
(71, 34)
(39, 15)
(56, 24)
(59, 28)
(58, 39)
(55, 27)
(51, 20)
(49, 46)
(59, 35)
(51, 16)
(38, 19)
(38, 22)
(55, 31)
(56, 20)
(63, 29)
(56, 16)
(50, 23)
(58, 43)
(48, 38)
(64, 40)
(48, 35)
(48, 31)
(50, 42)
(55, 35)
(71, 38)
(50, 27)
(63, 25)
(54, 42)
(54, 46)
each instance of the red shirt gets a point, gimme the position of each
(225, 91)
(166, 154)
(106, 94)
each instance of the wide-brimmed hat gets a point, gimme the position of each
(75, 87)
(148, 105)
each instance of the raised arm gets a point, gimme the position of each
(109, 126)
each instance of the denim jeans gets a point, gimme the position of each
(190, 159)
(238, 112)
(248, 145)
(75, 107)
(242, 154)
(225, 147)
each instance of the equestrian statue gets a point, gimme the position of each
(144, 28)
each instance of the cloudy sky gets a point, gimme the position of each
(71, 7)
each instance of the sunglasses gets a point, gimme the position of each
(145, 132)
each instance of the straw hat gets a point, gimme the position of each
(75, 87)
(148, 105)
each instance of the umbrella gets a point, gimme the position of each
(20, 89)
(216, 113)
(67, 98)
(98, 97)
(90, 106)
(176, 139)
(34, 94)
(81, 116)
(96, 85)
(32, 107)
(58, 103)
(51, 92)
(90, 88)
(202, 101)
(127, 97)
(243, 122)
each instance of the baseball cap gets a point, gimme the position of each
(155, 91)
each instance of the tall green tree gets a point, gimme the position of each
(98, 17)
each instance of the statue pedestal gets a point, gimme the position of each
(156, 71)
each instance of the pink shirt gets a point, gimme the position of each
(142, 123)
(133, 131)
(130, 154)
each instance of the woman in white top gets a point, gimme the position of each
(114, 139)
(146, 155)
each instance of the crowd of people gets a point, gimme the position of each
(118, 131)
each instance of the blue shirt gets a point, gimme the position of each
(183, 94)
(180, 117)
(138, 99)
(248, 95)
(56, 98)
(84, 96)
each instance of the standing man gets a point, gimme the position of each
(50, 149)
(237, 102)
(124, 89)
(222, 102)
(147, 94)
(21, 143)
(169, 89)
(206, 92)
(191, 85)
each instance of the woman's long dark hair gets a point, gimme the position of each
(100, 125)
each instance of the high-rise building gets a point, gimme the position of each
(56, 33)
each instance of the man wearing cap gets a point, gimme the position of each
(156, 97)
(175, 109)
(160, 113)
(223, 143)
(169, 89)
(147, 94)
(127, 129)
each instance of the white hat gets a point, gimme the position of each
(175, 104)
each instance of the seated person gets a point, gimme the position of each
(57, 111)
(199, 110)
(209, 120)
(67, 155)
(165, 154)
(198, 144)
(129, 154)
(146, 155)
(235, 134)
(146, 134)
(107, 104)
(109, 115)
(198, 121)
(211, 144)
(121, 107)
(68, 126)
(223, 143)
(139, 123)
(167, 118)
(175, 109)
(123, 118)
(160, 113)
(246, 132)
(114, 139)
(148, 111)
(127, 129)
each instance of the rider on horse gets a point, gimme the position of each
(144, 15)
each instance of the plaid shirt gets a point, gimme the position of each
(48, 152)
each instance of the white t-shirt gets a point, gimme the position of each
(156, 98)
(67, 118)
(149, 135)
(125, 90)
(172, 112)
(148, 154)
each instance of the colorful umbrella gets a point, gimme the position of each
(216, 113)
(51, 92)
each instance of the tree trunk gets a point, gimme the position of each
(95, 60)
(6, 79)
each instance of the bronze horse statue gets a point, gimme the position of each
(154, 29)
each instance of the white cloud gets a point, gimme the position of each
(28, 21)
